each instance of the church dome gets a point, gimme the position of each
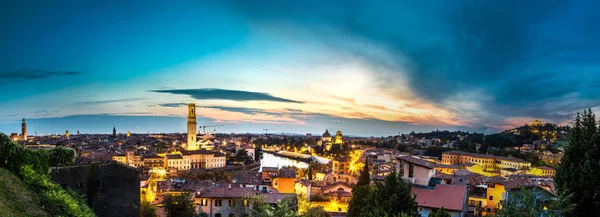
(326, 134)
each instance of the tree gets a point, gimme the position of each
(61, 156)
(440, 213)
(242, 157)
(258, 153)
(147, 210)
(395, 195)
(179, 205)
(365, 177)
(390, 198)
(578, 170)
(529, 203)
(316, 212)
(283, 208)
(361, 201)
(310, 171)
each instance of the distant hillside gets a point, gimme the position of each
(15, 199)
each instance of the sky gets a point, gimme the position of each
(366, 68)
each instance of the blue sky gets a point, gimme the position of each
(363, 67)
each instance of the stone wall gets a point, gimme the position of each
(109, 189)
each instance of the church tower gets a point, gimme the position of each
(191, 128)
(114, 132)
(24, 130)
(67, 134)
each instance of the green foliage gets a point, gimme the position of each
(56, 200)
(310, 171)
(365, 177)
(61, 156)
(147, 210)
(436, 151)
(241, 157)
(440, 213)
(283, 208)
(529, 203)
(578, 170)
(316, 212)
(32, 166)
(179, 205)
(391, 197)
(361, 201)
(16, 200)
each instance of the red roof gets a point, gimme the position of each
(451, 197)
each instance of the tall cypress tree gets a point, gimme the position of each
(364, 178)
(310, 172)
(394, 195)
(579, 169)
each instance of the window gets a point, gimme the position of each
(491, 197)
(203, 202)
(411, 170)
(218, 202)
(231, 202)
(491, 185)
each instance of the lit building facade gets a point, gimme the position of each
(191, 128)
(486, 161)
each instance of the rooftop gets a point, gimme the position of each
(174, 156)
(417, 161)
(451, 197)
(287, 173)
(226, 192)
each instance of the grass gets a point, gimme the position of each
(15, 199)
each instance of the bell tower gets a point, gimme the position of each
(191, 128)
(24, 130)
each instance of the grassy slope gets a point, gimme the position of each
(15, 199)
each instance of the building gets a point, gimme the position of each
(176, 161)
(452, 197)
(284, 180)
(542, 171)
(338, 138)
(191, 128)
(14, 136)
(67, 134)
(114, 132)
(415, 170)
(23, 130)
(226, 201)
(486, 161)
(154, 161)
(326, 137)
(109, 189)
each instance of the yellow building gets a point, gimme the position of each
(542, 171)
(486, 161)
(285, 181)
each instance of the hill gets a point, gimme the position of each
(15, 199)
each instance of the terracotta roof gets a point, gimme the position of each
(273, 198)
(219, 154)
(174, 156)
(417, 161)
(226, 192)
(287, 173)
(152, 156)
(447, 166)
(270, 169)
(451, 197)
(250, 178)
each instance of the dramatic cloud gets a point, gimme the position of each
(108, 101)
(30, 74)
(236, 95)
(521, 55)
(174, 105)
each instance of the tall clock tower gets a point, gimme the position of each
(191, 128)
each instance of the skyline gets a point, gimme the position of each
(364, 68)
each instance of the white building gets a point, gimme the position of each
(415, 170)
